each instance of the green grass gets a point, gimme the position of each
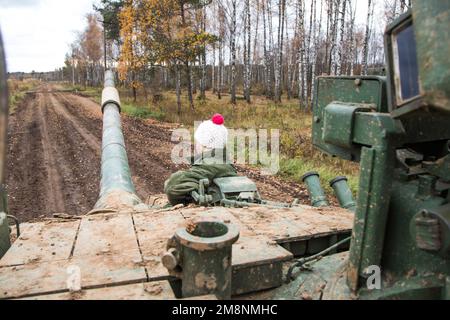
(298, 154)
(91, 92)
(293, 169)
(141, 111)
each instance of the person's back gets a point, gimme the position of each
(209, 162)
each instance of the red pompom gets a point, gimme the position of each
(218, 119)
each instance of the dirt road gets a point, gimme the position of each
(54, 156)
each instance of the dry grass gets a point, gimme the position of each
(17, 90)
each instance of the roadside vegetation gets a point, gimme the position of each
(17, 91)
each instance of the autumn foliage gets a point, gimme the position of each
(158, 32)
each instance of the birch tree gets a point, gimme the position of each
(255, 41)
(402, 6)
(266, 63)
(328, 42)
(203, 54)
(301, 54)
(394, 8)
(279, 58)
(233, 51)
(270, 55)
(222, 32)
(352, 53)
(390, 9)
(315, 49)
(213, 69)
(289, 56)
(247, 51)
(334, 39)
(367, 38)
(187, 63)
(311, 47)
(295, 44)
(178, 86)
(341, 39)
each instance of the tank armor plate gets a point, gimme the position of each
(118, 254)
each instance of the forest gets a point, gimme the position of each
(232, 49)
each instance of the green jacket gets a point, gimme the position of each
(179, 186)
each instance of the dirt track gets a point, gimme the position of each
(54, 156)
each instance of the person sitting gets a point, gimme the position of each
(209, 162)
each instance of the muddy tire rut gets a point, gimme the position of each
(54, 154)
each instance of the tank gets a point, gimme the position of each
(230, 244)
(391, 241)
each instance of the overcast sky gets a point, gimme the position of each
(37, 33)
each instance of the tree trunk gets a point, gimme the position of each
(233, 52)
(133, 74)
(255, 43)
(288, 61)
(220, 75)
(314, 55)
(328, 40)
(305, 65)
(203, 58)
(270, 59)
(279, 58)
(353, 54)
(308, 53)
(294, 55)
(402, 6)
(366, 39)
(213, 69)
(189, 83)
(178, 86)
(194, 73)
(341, 40)
(266, 53)
(247, 49)
(186, 63)
(301, 54)
(334, 46)
(73, 75)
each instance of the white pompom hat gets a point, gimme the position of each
(212, 134)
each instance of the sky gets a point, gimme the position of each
(37, 33)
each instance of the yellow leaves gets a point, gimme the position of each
(128, 60)
(136, 84)
(122, 68)
(153, 31)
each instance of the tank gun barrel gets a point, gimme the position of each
(116, 187)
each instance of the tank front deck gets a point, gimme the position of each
(118, 254)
